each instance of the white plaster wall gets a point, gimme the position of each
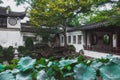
(32, 35)
(18, 25)
(10, 38)
(75, 33)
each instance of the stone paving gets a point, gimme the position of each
(97, 54)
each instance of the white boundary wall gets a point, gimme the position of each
(75, 33)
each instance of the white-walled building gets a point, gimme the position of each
(95, 39)
(12, 31)
(74, 37)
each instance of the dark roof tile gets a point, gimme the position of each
(3, 12)
(17, 14)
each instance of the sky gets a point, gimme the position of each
(13, 6)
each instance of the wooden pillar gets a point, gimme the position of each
(85, 40)
(116, 35)
(117, 41)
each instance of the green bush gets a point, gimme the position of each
(71, 47)
(24, 51)
(21, 49)
(8, 53)
(1, 51)
(29, 44)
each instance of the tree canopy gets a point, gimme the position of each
(58, 12)
(61, 12)
(112, 16)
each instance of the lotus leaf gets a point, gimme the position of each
(116, 60)
(83, 72)
(6, 75)
(26, 63)
(42, 75)
(2, 67)
(110, 72)
(15, 71)
(96, 65)
(40, 66)
(64, 63)
(24, 76)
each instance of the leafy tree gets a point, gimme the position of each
(53, 13)
(46, 33)
(111, 16)
(18, 2)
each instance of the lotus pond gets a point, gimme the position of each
(79, 68)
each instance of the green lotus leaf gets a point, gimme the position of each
(110, 56)
(67, 62)
(110, 72)
(6, 75)
(26, 63)
(96, 65)
(42, 75)
(40, 66)
(83, 72)
(2, 67)
(24, 76)
(15, 71)
(116, 60)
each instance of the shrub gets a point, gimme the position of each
(29, 44)
(71, 47)
(8, 53)
(21, 49)
(1, 51)
(24, 51)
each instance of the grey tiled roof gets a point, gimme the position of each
(17, 14)
(29, 29)
(88, 27)
(3, 12)
(93, 26)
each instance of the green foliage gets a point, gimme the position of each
(21, 48)
(110, 72)
(2, 67)
(6, 75)
(75, 21)
(29, 44)
(26, 63)
(12, 65)
(65, 69)
(23, 51)
(71, 47)
(42, 75)
(19, 2)
(53, 13)
(1, 51)
(46, 33)
(83, 72)
(103, 60)
(8, 50)
(24, 76)
(6, 53)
